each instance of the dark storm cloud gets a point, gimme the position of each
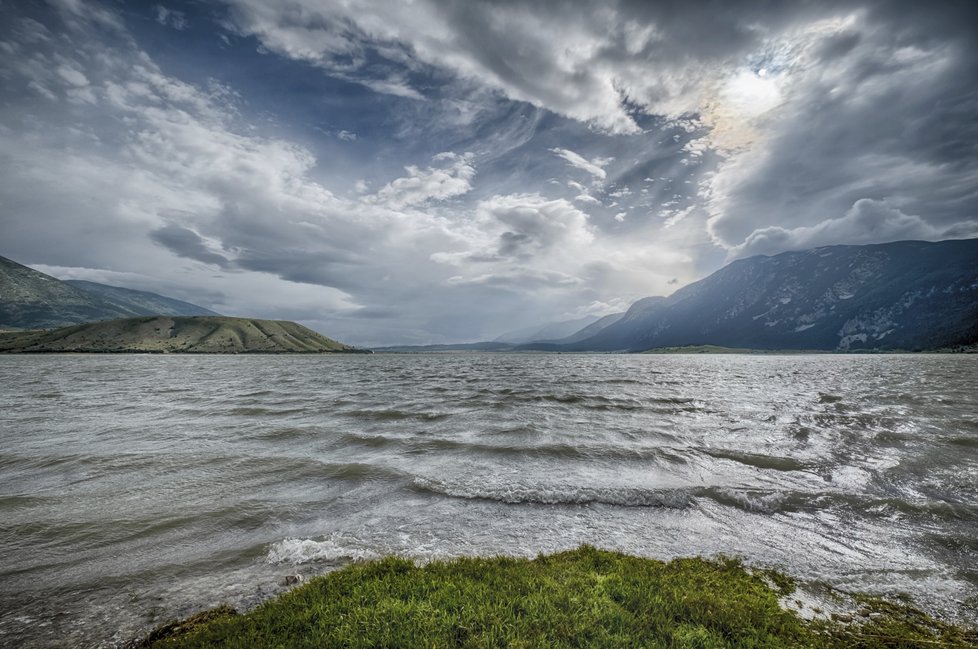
(882, 115)
(187, 243)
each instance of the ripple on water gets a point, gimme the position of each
(179, 480)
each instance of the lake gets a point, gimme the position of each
(139, 488)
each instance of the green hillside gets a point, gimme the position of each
(165, 334)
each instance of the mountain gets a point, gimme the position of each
(138, 302)
(170, 334)
(904, 295)
(548, 332)
(592, 329)
(29, 299)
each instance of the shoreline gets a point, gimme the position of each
(581, 597)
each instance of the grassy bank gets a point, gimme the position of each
(582, 598)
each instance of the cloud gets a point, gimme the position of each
(848, 128)
(594, 167)
(187, 243)
(451, 178)
(394, 172)
(175, 19)
(867, 221)
(597, 63)
(73, 76)
(531, 224)
(795, 112)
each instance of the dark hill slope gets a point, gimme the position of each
(138, 303)
(30, 299)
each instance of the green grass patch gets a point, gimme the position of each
(582, 598)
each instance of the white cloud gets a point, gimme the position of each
(531, 224)
(587, 198)
(594, 167)
(73, 76)
(434, 183)
(867, 221)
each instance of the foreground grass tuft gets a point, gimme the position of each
(582, 598)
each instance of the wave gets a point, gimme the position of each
(295, 468)
(555, 450)
(296, 551)
(394, 414)
(587, 400)
(287, 433)
(362, 471)
(828, 397)
(967, 442)
(756, 501)
(888, 507)
(255, 411)
(757, 460)
(521, 493)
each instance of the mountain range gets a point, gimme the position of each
(30, 299)
(907, 295)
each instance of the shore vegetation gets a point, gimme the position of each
(580, 598)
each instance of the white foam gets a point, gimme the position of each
(295, 551)
(557, 494)
(756, 501)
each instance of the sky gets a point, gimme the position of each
(434, 171)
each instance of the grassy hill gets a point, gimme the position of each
(169, 334)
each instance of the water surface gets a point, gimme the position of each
(134, 489)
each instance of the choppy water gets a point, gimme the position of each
(134, 489)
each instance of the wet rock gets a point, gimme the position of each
(291, 580)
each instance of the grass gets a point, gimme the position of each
(582, 598)
(174, 334)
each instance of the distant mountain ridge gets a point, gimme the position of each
(30, 299)
(903, 295)
(552, 331)
(175, 334)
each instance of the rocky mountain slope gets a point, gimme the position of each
(30, 299)
(165, 334)
(902, 295)
(136, 303)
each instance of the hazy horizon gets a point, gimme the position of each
(447, 171)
